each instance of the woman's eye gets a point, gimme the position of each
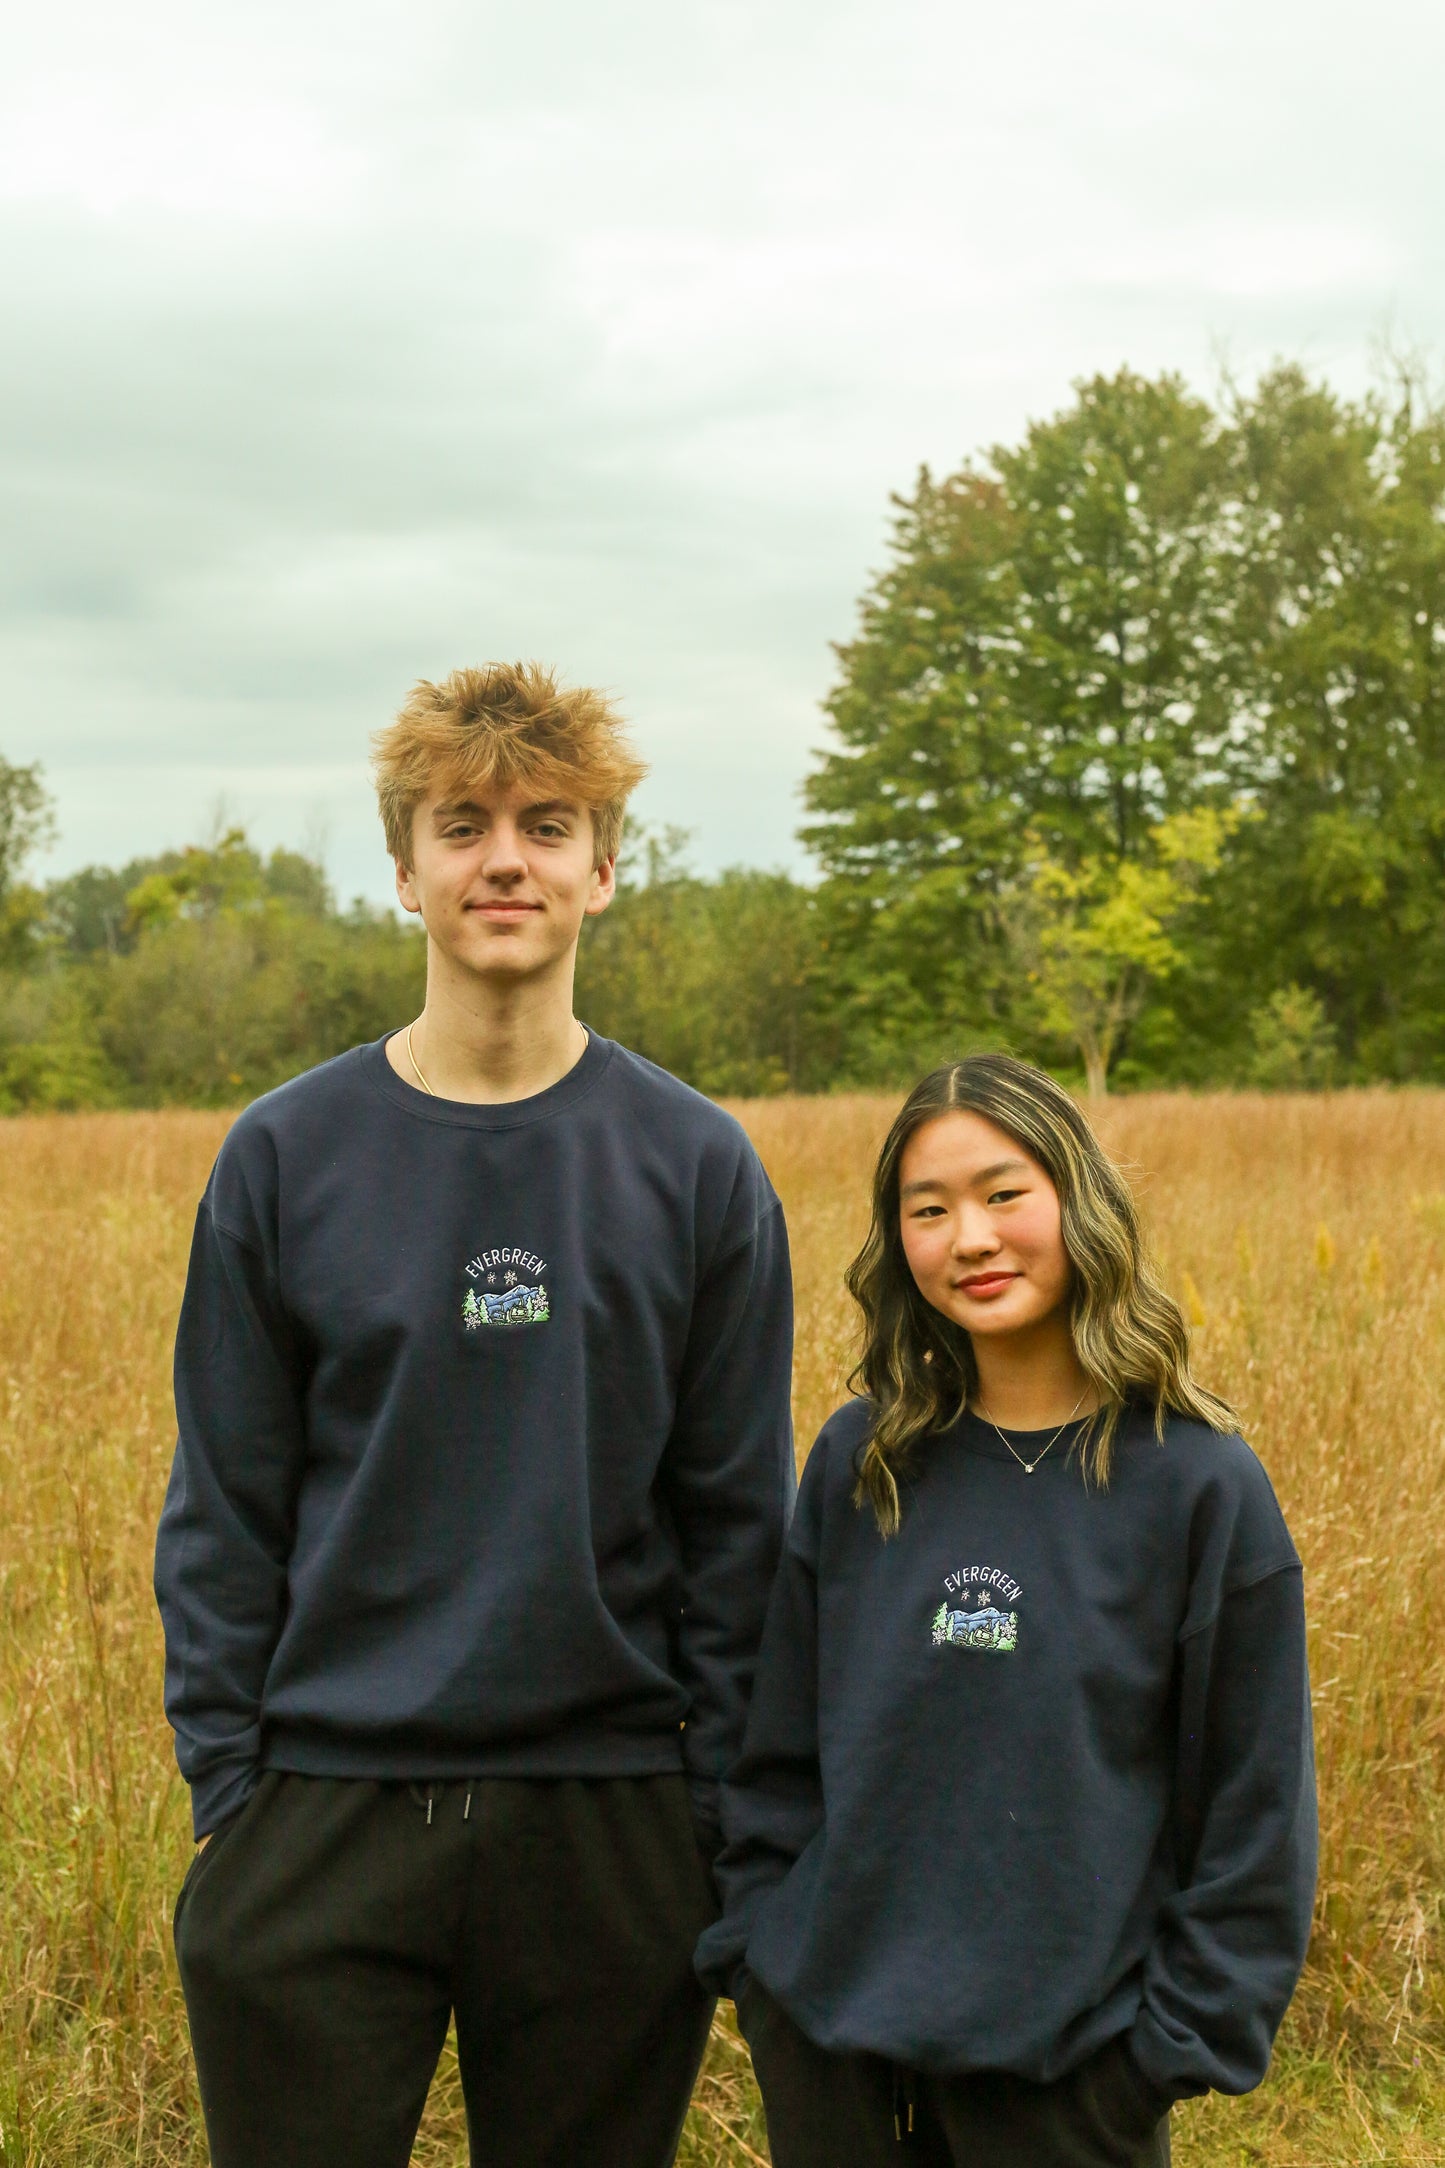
(1005, 1196)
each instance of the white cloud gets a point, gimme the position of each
(200, 160)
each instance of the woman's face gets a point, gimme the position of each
(981, 1228)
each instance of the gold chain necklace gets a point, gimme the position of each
(411, 1057)
(416, 1065)
(1029, 1466)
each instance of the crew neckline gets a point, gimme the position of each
(979, 1436)
(586, 1072)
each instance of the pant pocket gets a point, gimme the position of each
(1116, 2106)
(203, 1858)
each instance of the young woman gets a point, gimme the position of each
(1021, 1845)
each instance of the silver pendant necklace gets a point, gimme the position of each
(1029, 1466)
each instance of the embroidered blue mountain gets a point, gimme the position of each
(986, 1629)
(519, 1306)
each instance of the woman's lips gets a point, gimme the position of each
(984, 1284)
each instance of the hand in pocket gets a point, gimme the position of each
(1117, 2106)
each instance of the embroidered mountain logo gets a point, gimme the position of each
(970, 1616)
(509, 1287)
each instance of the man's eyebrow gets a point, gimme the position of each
(473, 805)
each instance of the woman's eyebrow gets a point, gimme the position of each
(984, 1174)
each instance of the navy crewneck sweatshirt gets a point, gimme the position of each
(484, 1453)
(1034, 1773)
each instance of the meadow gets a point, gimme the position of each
(1305, 1237)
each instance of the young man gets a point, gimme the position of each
(483, 1469)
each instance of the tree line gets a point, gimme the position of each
(1137, 766)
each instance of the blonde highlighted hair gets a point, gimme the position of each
(918, 1367)
(497, 726)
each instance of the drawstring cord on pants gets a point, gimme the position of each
(428, 1798)
(905, 2100)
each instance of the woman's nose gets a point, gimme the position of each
(973, 1232)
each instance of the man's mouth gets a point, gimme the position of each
(496, 907)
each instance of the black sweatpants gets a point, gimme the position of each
(855, 2111)
(327, 1933)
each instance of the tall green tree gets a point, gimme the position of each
(27, 824)
(27, 819)
(1340, 666)
(1040, 659)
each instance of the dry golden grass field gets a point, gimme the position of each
(1307, 1240)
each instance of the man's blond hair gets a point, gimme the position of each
(497, 726)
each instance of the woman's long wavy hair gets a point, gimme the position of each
(918, 1368)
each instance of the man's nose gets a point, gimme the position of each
(504, 858)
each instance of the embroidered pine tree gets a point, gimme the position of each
(940, 1623)
(471, 1308)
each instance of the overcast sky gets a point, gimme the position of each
(344, 344)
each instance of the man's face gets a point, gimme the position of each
(503, 885)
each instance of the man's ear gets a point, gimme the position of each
(406, 894)
(604, 886)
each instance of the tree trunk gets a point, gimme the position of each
(1096, 1071)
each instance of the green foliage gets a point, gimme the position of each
(1098, 934)
(27, 821)
(226, 879)
(200, 977)
(714, 980)
(210, 1010)
(1149, 609)
(1294, 1042)
(50, 1058)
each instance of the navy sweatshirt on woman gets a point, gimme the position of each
(1035, 1772)
(485, 1455)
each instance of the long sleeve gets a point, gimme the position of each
(227, 1527)
(772, 1801)
(728, 1479)
(1232, 1940)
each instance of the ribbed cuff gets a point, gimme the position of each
(219, 1793)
